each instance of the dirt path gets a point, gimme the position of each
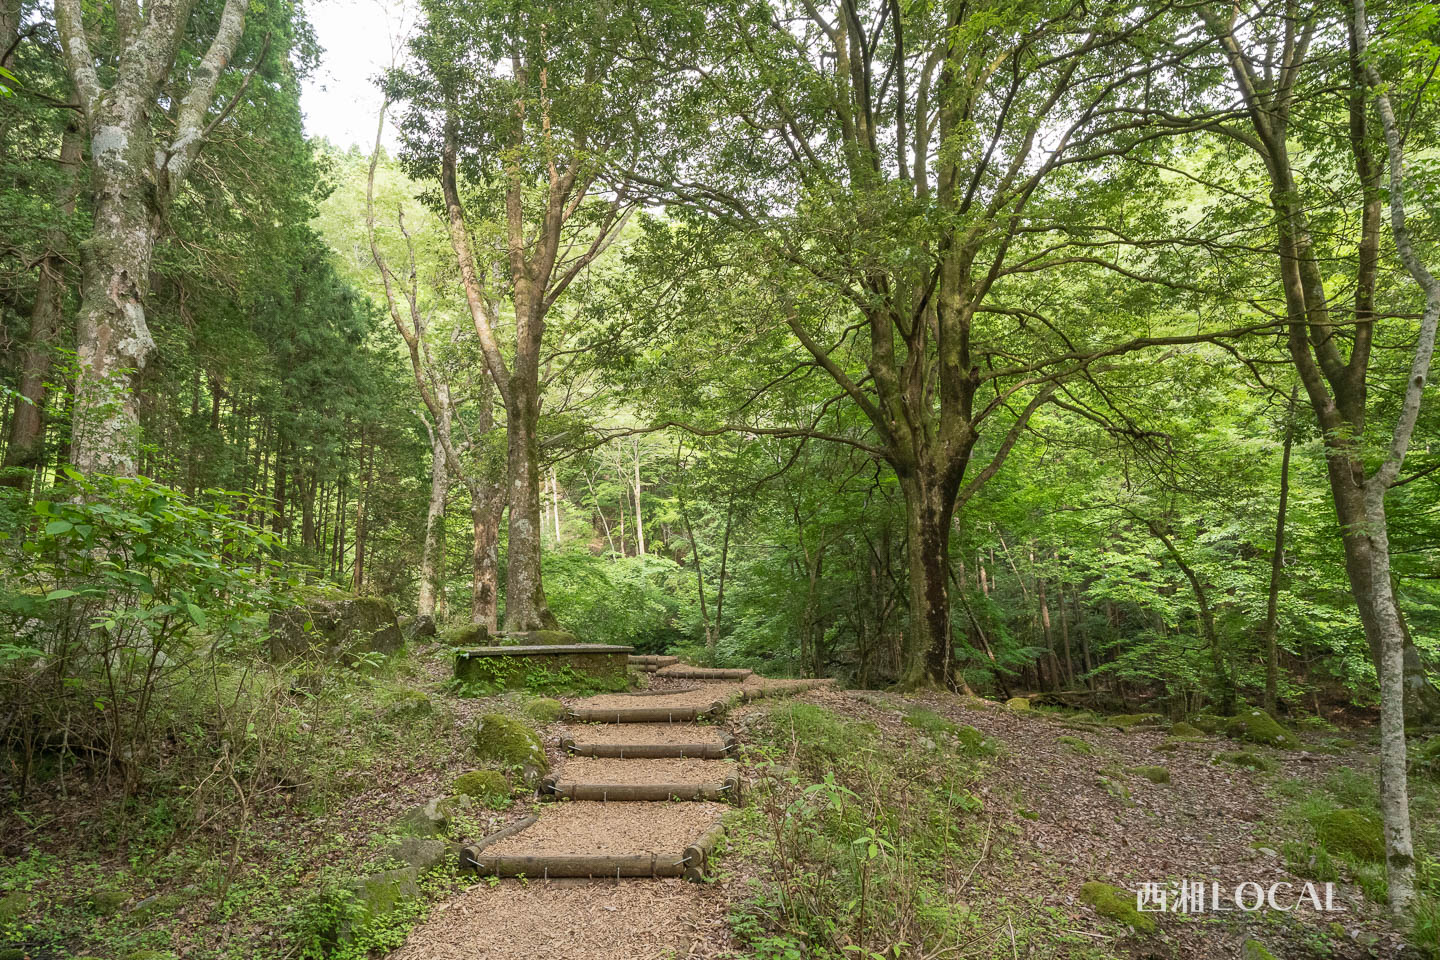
(609, 919)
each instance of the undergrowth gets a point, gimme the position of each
(868, 844)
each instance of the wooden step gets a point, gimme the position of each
(678, 714)
(649, 751)
(684, 672)
(725, 792)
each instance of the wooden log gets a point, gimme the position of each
(698, 855)
(639, 792)
(547, 867)
(759, 693)
(650, 751)
(646, 714)
(469, 854)
(704, 673)
(652, 660)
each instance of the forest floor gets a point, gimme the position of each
(984, 847)
(1054, 820)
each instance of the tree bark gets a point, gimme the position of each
(639, 517)
(433, 553)
(26, 445)
(1277, 568)
(929, 507)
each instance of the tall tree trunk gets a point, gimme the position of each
(1277, 568)
(26, 446)
(362, 503)
(639, 517)
(1224, 682)
(433, 552)
(525, 606)
(928, 513)
(487, 504)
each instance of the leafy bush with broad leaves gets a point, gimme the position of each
(114, 592)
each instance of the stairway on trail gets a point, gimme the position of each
(630, 758)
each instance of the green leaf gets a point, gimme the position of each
(61, 594)
(56, 527)
(196, 614)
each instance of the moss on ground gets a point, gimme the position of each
(1255, 950)
(1127, 720)
(1077, 745)
(543, 709)
(1352, 832)
(1248, 759)
(1018, 703)
(1256, 726)
(1115, 903)
(1183, 729)
(1151, 773)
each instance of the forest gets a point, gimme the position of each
(1046, 385)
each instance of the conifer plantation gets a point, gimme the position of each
(767, 479)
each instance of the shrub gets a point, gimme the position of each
(113, 592)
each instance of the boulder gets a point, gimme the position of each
(427, 820)
(543, 709)
(487, 786)
(466, 635)
(423, 854)
(380, 893)
(1352, 832)
(1256, 726)
(335, 627)
(509, 744)
(1018, 703)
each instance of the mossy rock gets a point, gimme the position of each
(408, 704)
(1153, 774)
(1352, 832)
(1256, 726)
(380, 893)
(1127, 720)
(511, 745)
(333, 625)
(1018, 703)
(1114, 903)
(1170, 745)
(107, 902)
(1255, 950)
(466, 635)
(15, 953)
(150, 955)
(1183, 729)
(1209, 722)
(487, 786)
(1077, 745)
(543, 709)
(421, 853)
(13, 906)
(1248, 759)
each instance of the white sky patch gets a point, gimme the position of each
(359, 39)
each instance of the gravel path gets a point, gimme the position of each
(587, 828)
(701, 696)
(637, 733)
(592, 919)
(602, 770)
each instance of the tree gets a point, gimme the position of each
(145, 128)
(524, 115)
(910, 177)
